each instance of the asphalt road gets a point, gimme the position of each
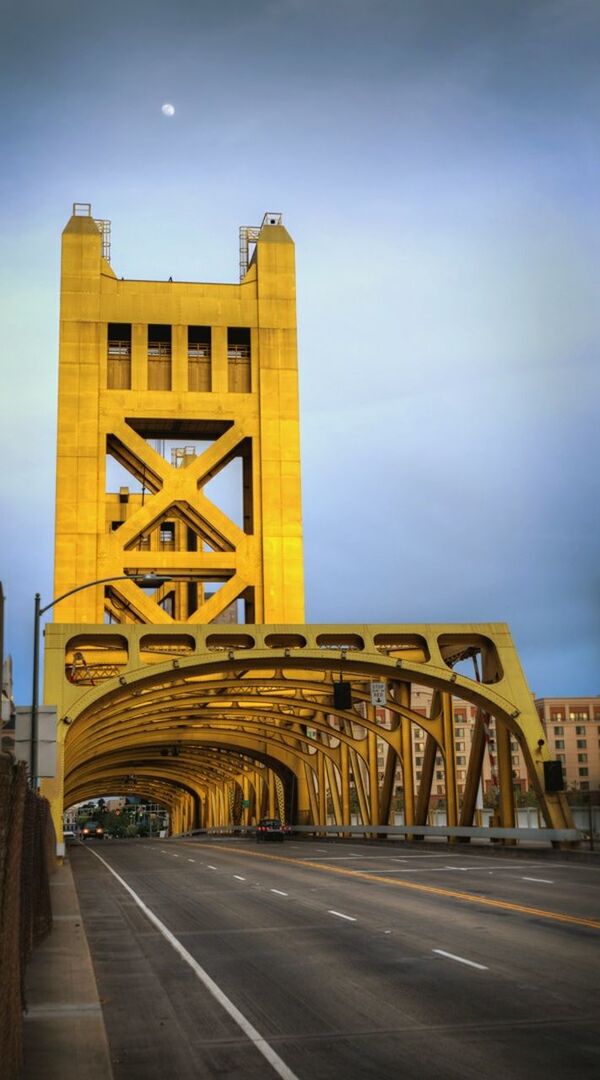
(336, 960)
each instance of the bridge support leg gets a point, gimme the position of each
(408, 780)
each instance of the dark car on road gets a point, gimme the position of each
(92, 830)
(271, 829)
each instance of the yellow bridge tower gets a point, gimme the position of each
(163, 386)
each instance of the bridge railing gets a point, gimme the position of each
(531, 836)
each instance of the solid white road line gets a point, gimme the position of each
(239, 877)
(544, 881)
(191, 860)
(211, 867)
(460, 959)
(277, 1064)
(458, 868)
(279, 892)
(340, 915)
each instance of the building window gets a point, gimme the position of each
(580, 731)
(582, 757)
(459, 732)
(461, 760)
(440, 789)
(159, 357)
(238, 357)
(560, 744)
(119, 356)
(199, 349)
(460, 745)
(584, 772)
(582, 744)
(555, 714)
(418, 761)
(561, 757)
(585, 785)
(559, 730)
(439, 775)
(515, 759)
(580, 716)
(167, 532)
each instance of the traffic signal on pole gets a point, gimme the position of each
(553, 776)
(342, 695)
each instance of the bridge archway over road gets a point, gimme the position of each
(223, 725)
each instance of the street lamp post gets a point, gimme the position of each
(150, 580)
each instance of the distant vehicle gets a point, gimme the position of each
(69, 834)
(92, 830)
(271, 829)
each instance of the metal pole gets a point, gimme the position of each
(34, 693)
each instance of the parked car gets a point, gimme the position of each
(92, 830)
(271, 829)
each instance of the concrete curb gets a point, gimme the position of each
(63, 1033)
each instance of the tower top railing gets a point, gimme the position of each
(249, 235)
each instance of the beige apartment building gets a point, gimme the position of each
(572, 727)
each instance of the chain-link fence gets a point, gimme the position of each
(27, 846)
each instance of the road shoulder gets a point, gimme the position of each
(64, 1034)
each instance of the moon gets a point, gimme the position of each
(168, 110)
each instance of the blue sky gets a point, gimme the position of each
(437, 163)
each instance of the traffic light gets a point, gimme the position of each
(553, 776)
(342, 695)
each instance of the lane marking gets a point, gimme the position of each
(191, 860)
(239, 877)
(464, 868)
(341, 915)
(432, 890)
(277, 1064)
(279, 892)
(544, 880)
(174, 855)
(211, 867)
(460, 959)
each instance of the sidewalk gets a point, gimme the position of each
(63, 1032)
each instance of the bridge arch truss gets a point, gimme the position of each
(225, 725)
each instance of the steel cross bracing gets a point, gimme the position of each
(229, 716)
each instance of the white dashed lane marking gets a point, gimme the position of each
(459, 959)
(279, 892)
(239, 877)
(341, 915)
(543, 880)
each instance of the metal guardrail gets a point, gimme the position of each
(198, 350)
(573, 836)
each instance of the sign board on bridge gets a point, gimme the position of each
(377, 692)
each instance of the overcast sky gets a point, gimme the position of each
(437, 163)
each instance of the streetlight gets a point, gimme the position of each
(150, 580)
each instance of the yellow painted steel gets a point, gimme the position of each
(246, 701)
(123, 394)
(175, 382)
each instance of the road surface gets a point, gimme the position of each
(317, 960)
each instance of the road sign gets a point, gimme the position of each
(377, 692)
